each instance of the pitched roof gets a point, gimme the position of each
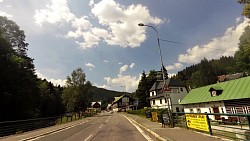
(170, 82)
(233, 89)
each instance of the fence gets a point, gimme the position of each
(20, 126)
(232, 126)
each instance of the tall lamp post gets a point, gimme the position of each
(167, 96)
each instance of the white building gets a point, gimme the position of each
(177, 93)
(229, 97)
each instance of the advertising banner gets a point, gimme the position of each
(197, 121)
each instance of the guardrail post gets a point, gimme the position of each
(209, 124)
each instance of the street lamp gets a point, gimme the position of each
(163, 74)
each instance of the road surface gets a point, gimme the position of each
(106, 127)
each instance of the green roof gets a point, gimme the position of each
(233, 89)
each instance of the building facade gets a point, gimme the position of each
(229, 97)
(176, 92)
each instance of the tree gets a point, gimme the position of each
(18, 83)
(51, 103)
(142, 92)
(76, 96)
(242, 56)
(246, 9)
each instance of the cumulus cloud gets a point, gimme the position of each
(102, 86)
(123, 69)
(175, 66)
(4, 14)
(54, 81)
(90, 66)
(122, 22)
(132, 65)
(225, 45)
(131, 82)
(117, 23)
(58, 11)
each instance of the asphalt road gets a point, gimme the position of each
(106, 127)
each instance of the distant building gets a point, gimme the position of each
(177, 91)
(223, 78)
(122, 103)
(96, 105)
(232, 97)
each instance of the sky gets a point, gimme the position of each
(103, 37)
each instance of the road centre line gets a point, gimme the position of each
(88, 137)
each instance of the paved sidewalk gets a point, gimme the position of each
(172, 134)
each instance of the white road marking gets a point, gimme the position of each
(139, 129)
(101, 126)
(88, 137)
(51, 132)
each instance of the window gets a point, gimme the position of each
(153, 102)
(191, 110)
(165, 100)
(181, 89)
(222, 111)
(198, 110)
(160, 101)
(177, 109)
(209, 110)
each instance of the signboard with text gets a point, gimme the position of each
(154, 116)
(197, 121)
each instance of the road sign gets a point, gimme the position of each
(166, 88)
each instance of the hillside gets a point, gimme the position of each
(105, 96)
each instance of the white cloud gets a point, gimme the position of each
(119, 23)
(123, 22)
(120, 63)
(130, 82)
(175, 66)
(105, 61)
(123, 69)
(4, 14)
(132, 65)
(1, 0)
(54, 81)
(102, 86)
(90, 66)
(58, 11)
(225, 45)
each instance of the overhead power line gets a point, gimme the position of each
(176, 42)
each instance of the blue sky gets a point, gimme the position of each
(103, 38)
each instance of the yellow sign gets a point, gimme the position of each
(154, 116)
(197, 121)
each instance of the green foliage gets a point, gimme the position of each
(206, 72)
(76, 96)
(142, 92)
(246, 11)
(18, 84)
(51, 102)
(242, 56)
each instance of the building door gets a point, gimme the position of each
(216, 110)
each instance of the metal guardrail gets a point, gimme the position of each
(20, 126)
(232, 126)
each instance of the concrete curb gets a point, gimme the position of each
(148, 130)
